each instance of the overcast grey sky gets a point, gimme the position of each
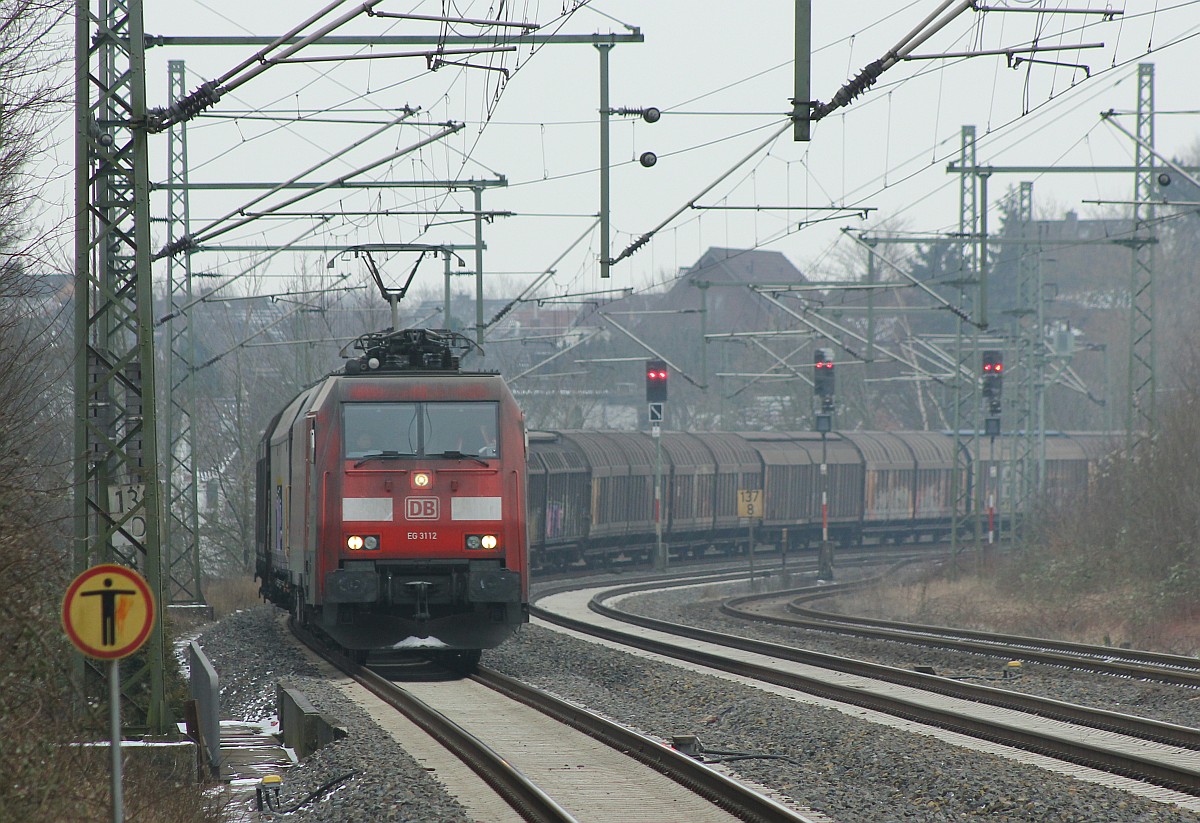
(722, 74)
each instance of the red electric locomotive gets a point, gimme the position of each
(391, 501)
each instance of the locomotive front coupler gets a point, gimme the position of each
(421, 589)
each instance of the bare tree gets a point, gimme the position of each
(36, 425)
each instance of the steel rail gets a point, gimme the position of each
(717, 788)
(1091, 754)
(522, 794)
(1130, 725)
(1139, 656)
(1162, 668)
(1165, 668)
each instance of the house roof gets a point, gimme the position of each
(720, 266)
(725, 273)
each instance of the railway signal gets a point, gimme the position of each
(823, 385)
(656, 398)
(823, 373)
(823, 389)
(993, 377)
(656, 381)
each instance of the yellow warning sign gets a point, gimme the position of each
(108, 611)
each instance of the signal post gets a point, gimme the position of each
(656, 403)
(992, 369)
(823, 400)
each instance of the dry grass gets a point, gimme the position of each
(224, 596)
(1115, 618)
(227, 595)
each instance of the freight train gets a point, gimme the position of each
(591, 494)
(401, 503)
(391, 502)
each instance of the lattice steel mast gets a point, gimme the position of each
(1140, 415)
(964, 394)
(181, 526)
(116, 510)
(1028, 426)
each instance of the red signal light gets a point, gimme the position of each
(823, 374)
(656, 381)
(993, 373)
(993, 362)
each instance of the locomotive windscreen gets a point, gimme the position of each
(468, 428)
(375, 428)
(424, 429)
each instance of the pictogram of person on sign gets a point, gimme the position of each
(108, 610)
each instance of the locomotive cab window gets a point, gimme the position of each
(469, 429)
(381, 429)
(421, 429)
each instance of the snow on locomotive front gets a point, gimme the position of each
(392, 501)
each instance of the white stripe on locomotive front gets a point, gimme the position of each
(379, 509)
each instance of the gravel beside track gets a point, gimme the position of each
(252, 651)
(1158, 701)
(848, 769)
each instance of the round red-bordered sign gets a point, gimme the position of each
(108, 611)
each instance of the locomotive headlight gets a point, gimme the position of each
(489, 541)
(421, 480)
(474, 541)
(359, 542)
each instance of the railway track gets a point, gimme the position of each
(553, 761)
(787, 608)
(1152, 751)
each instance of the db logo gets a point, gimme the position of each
(421, 508)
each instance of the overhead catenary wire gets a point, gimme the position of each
(783, 235)
(911, 43)
(787, 63)
(254, 65)
(181, 310)
(404, 115)
(558, 23)
(261, 331)
(1045, 103)
(645, 238)
(917, 36)
(863, 192)
(868, 75)
(467, 155)
(211, 92)
(542, 278)
(218, 228)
